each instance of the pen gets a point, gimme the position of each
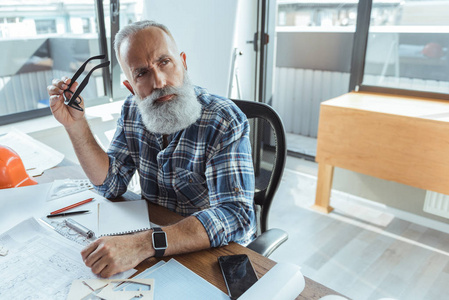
(71, 206)
(69, 213)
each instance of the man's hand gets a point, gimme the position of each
(111, 255)
(114, 254)
(92, 157)
(66, 115)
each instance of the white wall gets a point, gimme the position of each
(204, 30)
(245, 65)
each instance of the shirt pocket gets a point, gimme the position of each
(191, 189)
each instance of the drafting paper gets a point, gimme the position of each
(40, 264)
(175, 281)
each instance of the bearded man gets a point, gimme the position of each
(190, 148)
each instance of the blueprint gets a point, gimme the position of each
(40, 263)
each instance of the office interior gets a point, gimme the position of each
(379, 241)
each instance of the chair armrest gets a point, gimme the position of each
(268, 241)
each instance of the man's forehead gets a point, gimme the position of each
(151, 42)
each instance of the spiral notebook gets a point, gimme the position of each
(117, 218)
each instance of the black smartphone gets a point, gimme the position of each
(238, 273)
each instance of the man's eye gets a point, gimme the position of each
(141, 74)
(165, 61)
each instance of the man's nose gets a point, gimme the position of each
(159, 80)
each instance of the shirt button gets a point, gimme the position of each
(236, 189)
(160, 166)
(190, 180)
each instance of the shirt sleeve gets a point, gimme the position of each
(230, 180)
(121, 165)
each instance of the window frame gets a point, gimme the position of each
(358, 60)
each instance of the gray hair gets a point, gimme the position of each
(131, 29)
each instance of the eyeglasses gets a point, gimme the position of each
(73, 99)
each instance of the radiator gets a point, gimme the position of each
(437, 204)
(298, 94)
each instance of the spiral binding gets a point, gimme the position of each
(125, 232)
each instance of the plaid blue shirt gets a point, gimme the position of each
(205, 171)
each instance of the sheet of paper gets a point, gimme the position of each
(36, 156)
(18, 204)
(40, 263)
(175, 281)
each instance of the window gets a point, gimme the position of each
(39, 47)
(313, 63)
(316, 13)
(407, 47)
(86, 25)
(50, 40)
(45, 26)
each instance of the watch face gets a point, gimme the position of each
(159, 240)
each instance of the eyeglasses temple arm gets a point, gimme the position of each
(83, 66)
(86, 79)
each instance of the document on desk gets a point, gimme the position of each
(40, 263)
(18, 204)
(173, 280)
(36, 156)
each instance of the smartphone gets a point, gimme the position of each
(238, 273)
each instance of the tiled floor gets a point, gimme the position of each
(357, 250)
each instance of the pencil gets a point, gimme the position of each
(71, 206)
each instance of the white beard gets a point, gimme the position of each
(173, 115)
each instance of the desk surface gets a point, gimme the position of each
(203, 263)
(424, 108)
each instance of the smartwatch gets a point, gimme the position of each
(159, 238)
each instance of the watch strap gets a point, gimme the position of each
(158, 252)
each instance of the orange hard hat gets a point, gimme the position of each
(12, 170)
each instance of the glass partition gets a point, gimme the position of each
(407, 46)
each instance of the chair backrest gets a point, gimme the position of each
(260, 111)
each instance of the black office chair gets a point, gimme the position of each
(267, 240)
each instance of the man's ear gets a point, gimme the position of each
(183, 58)
(128, 86)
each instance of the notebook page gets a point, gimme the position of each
(116, 218)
